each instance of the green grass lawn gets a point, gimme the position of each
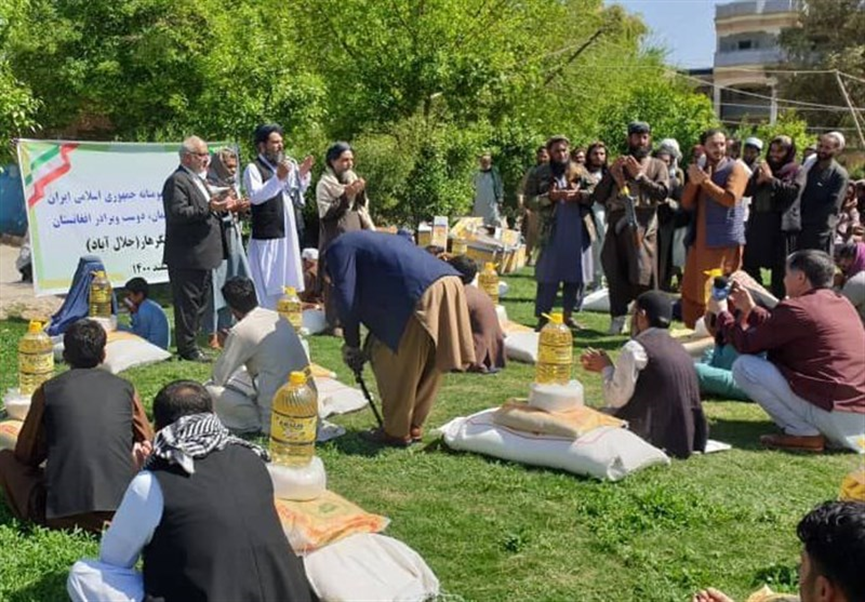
(494, 530)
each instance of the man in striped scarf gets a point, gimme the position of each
(201, 514)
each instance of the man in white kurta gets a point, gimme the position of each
(266, 345)
(274, 260)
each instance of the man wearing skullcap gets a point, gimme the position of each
(630, 253)
(823, 192)
(276, 185)
(751, 150)
(653, 384)
(343, 206)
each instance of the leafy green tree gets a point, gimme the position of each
(829, 36)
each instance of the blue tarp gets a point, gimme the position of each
(13, 215)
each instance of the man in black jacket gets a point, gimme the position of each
(193, 243)
(824, 186)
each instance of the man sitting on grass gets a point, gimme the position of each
(653, 384)
(812, 382)
(149, 320)
(267, 345)
(88, 426)
(833, 554)
(201, 514)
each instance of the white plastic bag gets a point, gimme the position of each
(298, 483)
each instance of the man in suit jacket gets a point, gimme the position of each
(193, 243)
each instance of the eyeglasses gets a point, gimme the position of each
(202, 155)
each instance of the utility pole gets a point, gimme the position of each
(852, 109)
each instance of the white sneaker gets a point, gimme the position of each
(617, 325)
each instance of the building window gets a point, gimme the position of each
(745, 45)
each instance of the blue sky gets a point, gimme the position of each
(684, 27)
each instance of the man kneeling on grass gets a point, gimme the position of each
(201, 514)
(812, 382)
(833, 554)
(269, 348)
(653, 384)
(88, 426)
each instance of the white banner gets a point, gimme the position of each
(103, 199)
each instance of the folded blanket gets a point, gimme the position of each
(572, 424)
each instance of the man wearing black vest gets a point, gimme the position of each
(653, 384)
(202, 516)
(87, 425)
(276, 185)
(193, 243)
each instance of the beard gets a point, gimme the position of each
(559, 168)
(638, 152)
(274, 157)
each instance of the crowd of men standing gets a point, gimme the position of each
(641, 220)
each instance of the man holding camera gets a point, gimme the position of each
(812, 382)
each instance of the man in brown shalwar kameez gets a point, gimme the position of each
(342, 207)
(630, 251)
(414, 307)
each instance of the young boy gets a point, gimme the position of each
(148, 318)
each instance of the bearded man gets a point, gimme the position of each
(630, 252)
(714, 195)
(555, 192)
(276, 185)
(774, 217)
(823, 190)
(342, 207)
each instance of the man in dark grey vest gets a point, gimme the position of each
(193, 243)
(201, 514)
(87, 425)
(653, 384)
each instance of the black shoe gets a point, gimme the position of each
(541, 323)
(196, 356)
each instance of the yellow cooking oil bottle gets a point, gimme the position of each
(35, 358)
(100, 295)
(555, 352)
(290, 307)
(489, 281)
(293, 421)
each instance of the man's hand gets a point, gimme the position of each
(595, 360)
(555, 194)
(633, 167)
(222, 335)
(306, 165)
(283, 169)
(711, 595)
(355, 187)
(764, 173)
(353, 358)
(219, 203)
(742, 299)
(696, 174)
(140, 453)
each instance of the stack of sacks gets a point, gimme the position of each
(17, 406)
(9, 431)
(334, 397)
(521, 342)
(346, 557)
(555, 429)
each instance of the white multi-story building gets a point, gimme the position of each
(746, 33)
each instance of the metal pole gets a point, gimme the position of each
(852, 110)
